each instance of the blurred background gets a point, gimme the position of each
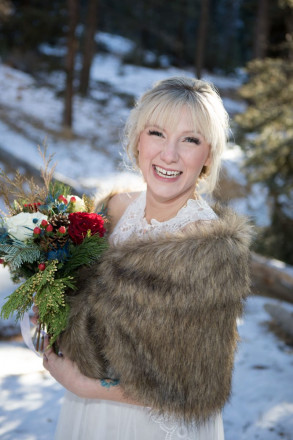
(70, 72)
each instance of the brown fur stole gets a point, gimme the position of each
(161, 314)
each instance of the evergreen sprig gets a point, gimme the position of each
(21, 300)
(52, 305)
(18, 252)
(86, 253)
(48, 293)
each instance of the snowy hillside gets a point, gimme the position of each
(261, 406)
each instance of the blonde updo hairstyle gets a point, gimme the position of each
(162, 105)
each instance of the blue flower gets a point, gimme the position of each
(61, 253)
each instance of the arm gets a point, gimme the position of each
(117, 204)
(68, 375)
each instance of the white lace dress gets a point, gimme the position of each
(93, 419)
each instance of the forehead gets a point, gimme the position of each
(170, 116)
(181, 121)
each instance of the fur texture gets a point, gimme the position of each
(160, 314)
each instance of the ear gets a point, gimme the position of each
(209, 158)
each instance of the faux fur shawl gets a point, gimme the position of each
(160, 315)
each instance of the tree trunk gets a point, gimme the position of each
(201, 37)
(180, 34)
(69, 62)
(281, 316)
(271, 278)
(262, 29)
(88, 45)
(289, 34)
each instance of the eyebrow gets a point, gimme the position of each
(196, 133)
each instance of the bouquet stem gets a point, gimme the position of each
(39, 338)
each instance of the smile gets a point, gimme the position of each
(166, 173)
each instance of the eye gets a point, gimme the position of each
(192, 140)
(155, 133)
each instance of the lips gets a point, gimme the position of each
(168, 174)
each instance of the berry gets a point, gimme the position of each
(62, 230)
(62, 199)
(44, 223)
(37, 230)
(49, 228)
(42, 266)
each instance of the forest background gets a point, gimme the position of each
(248, 39)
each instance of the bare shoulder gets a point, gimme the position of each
(118, 204)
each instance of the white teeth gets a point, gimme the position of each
(164, 173)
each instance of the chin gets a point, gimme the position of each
(166, 194)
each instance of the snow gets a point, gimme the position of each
(261, 406)
(115, 43)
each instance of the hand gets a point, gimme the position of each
(63, 370)
(67, 374)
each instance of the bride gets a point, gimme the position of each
(148, 353)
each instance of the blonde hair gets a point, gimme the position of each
(162, 105)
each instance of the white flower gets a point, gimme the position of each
(21, 226)
(78, 205)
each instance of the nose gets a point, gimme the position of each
(169, 152)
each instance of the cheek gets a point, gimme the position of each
(195, 160)
(147, 149)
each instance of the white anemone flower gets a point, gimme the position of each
(21, 226)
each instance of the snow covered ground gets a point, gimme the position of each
(261, 407)
(262, 403)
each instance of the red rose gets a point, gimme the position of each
(82, 222)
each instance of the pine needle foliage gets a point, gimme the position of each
(267, 126)
(268, 118)
(48, 293)
(57, 188)
(86, 253)
(18, 253)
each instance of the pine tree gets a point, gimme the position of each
(88, 45)
(269, 122)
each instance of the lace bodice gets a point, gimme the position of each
(133, 221)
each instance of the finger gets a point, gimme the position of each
(35, 310)
(46, 342)
(34, 320)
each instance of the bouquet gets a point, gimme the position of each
(47, 236)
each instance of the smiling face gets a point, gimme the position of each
(171, 159)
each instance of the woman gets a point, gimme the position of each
(158, 315)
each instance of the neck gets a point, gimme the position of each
(163, 210)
